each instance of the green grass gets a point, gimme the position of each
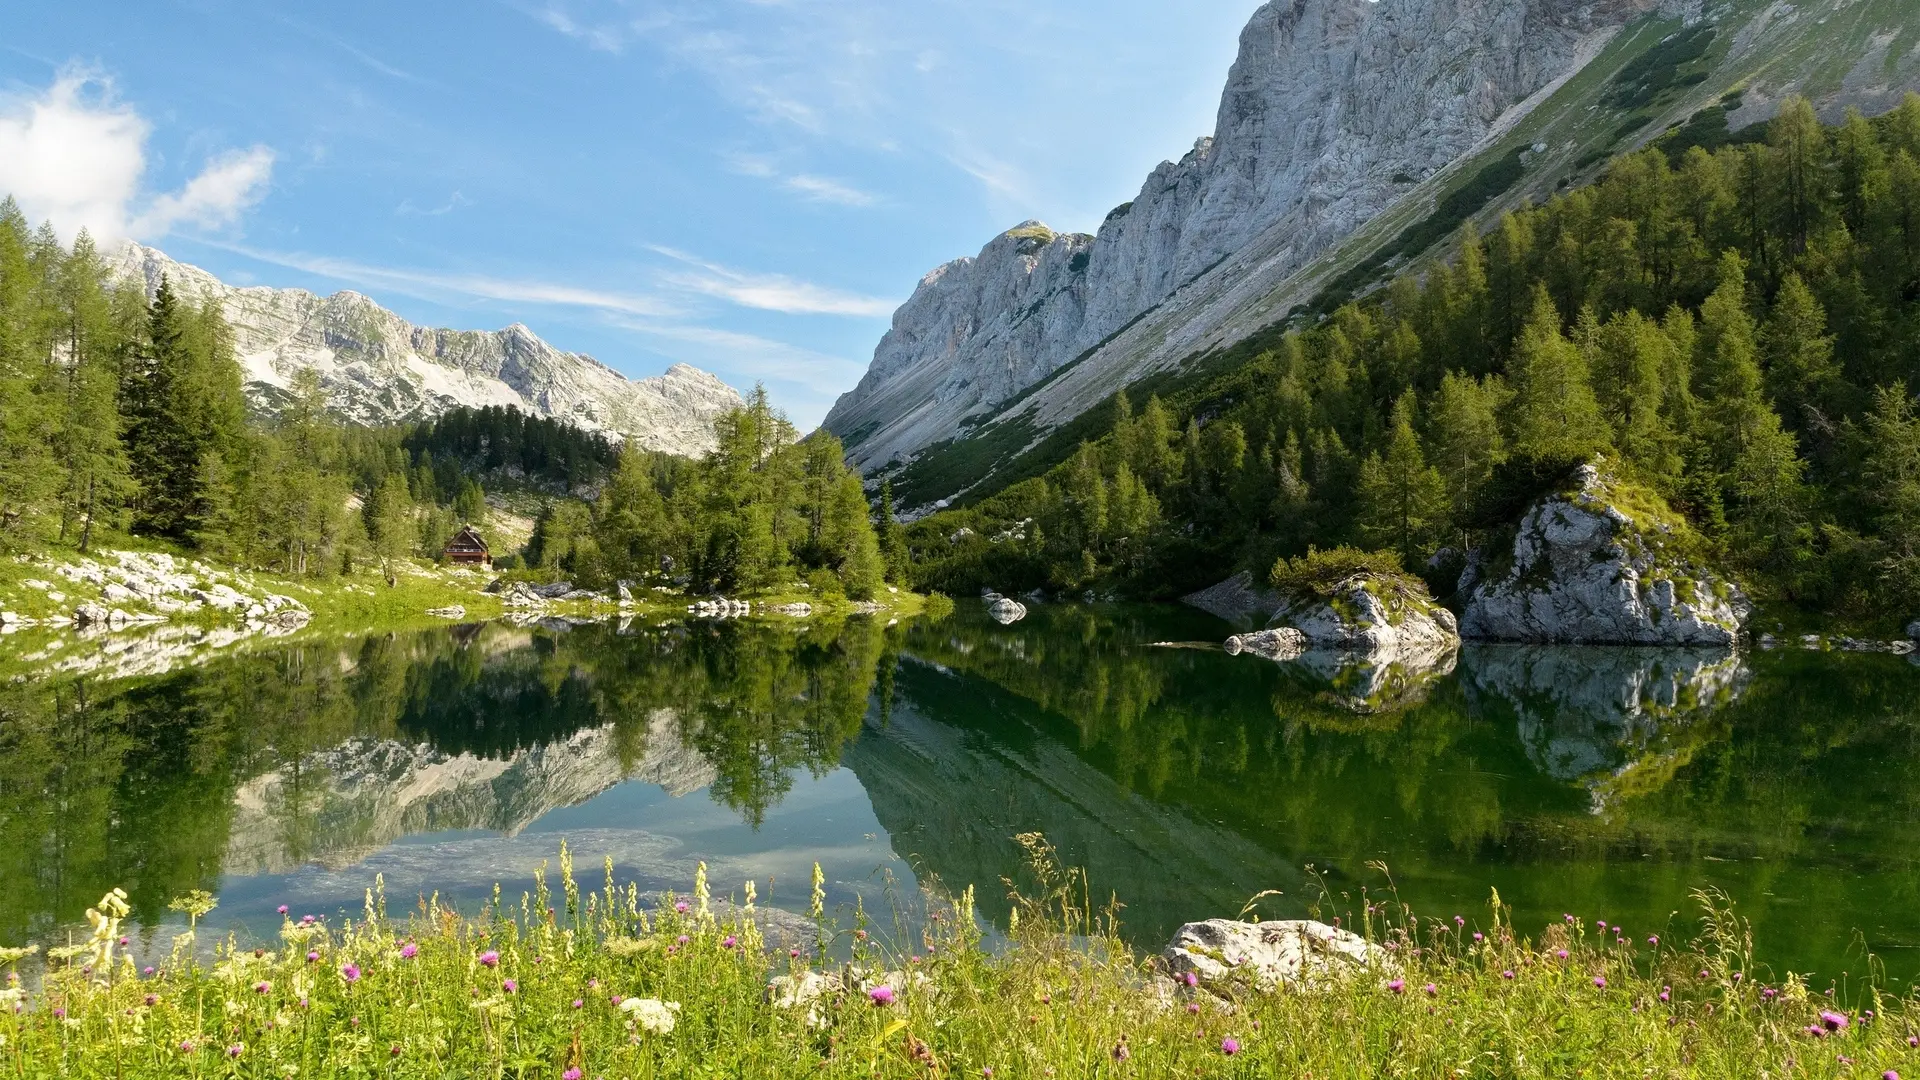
(534, 988)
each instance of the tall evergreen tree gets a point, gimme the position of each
(1555, 413)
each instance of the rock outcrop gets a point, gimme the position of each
(1282, 643)
(1371, 613)
(1005, 610)
(378, 369)
(1584, 569)
(1267, 955)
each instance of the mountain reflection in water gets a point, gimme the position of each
(1609, 782)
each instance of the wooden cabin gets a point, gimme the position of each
(468, 548)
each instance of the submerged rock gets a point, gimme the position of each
(1382, 681)
(1268, 955)
(1584, 570)
(1913, 629)
(1237, 600)
(1283, 643)
(1006, 611)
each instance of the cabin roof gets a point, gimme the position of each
(467, 539)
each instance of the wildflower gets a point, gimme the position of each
(262, 987)
(152, 1000)
(351, 973)
(282, 909)
(1432, 990)
(409, 951)
(1120, 1052)
(236, 1050)
(1459, 920)
(1834, 1021)
(1913, 1042)
(881, 995)
(1571, 920)
(1738, 976)
(1654, 940)
(509, 986)
(1398, 986)
(1193, 1007)
(1506, 975)
(186, 1046)
(795, 953)
(1477, 936)
(1190, 979)
(655, 1016)
(1889, 1075)
(578, 1003)
(146, 971)
(59, 1014)
(313, 958)
(1229, 1046)
(1562, 954)
(306, 920)
(683, 939)
(490, 958)
(681, 907)
(570, 1074)
(1666, 994)
(1600, 981)
(730, 942)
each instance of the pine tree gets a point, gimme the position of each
(1555, 414)
(95, 470)
(390, 525)
(1403, 500)
(1893, 478)
(1464, 439)
(1799, 354)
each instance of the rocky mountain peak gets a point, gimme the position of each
(378, 368)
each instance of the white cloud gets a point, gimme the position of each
(75, 156)
(772, 292)
(431, 285)
(821, 189)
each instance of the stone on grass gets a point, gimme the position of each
(1267, 955)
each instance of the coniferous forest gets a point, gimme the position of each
(123, 415)
(1736, 330)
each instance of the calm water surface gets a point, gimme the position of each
(1607, 783)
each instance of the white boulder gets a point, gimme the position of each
(1268, 955)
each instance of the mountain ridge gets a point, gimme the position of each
(1344, 127)
(377, 368)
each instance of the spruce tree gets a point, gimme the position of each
(1403, 500)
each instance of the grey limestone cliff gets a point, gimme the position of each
(1331, 108)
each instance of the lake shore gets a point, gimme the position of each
(576, 983)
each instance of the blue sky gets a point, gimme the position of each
(749, 186)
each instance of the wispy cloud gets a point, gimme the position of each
(771, 292)
(76, 156)
(440, 287)
(821, 189)
(454, 202)
(756, 357)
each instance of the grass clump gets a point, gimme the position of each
(580, 986)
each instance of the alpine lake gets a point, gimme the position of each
(1602, 783)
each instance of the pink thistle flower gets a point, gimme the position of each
(1229, 1046)
(236, 1050)
(509, 986)
(681, 907)
(1432, 990)
(186, 1046)
(1600, 981)
(351, 973)
(1477, 937)
(730, 942)
(1120, 1052)
(1190, 979)
(409, 951)
(262, 987)
(1193, 1008)
(881, 995)
(490, 958)
(146, 971)
(1654, 940)
(1666, 994)
(152, 1000)
(570, 1074)
(313, 958)
(683, 939)
(1833, 1020)
(282, 909)
(1398, 986)
(1562, 954)
(1506, 975)
(577, 1003)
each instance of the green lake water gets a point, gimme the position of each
(1607, 783)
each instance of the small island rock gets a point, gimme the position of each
(1586, 571)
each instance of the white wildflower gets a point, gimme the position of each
(656, 1016)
